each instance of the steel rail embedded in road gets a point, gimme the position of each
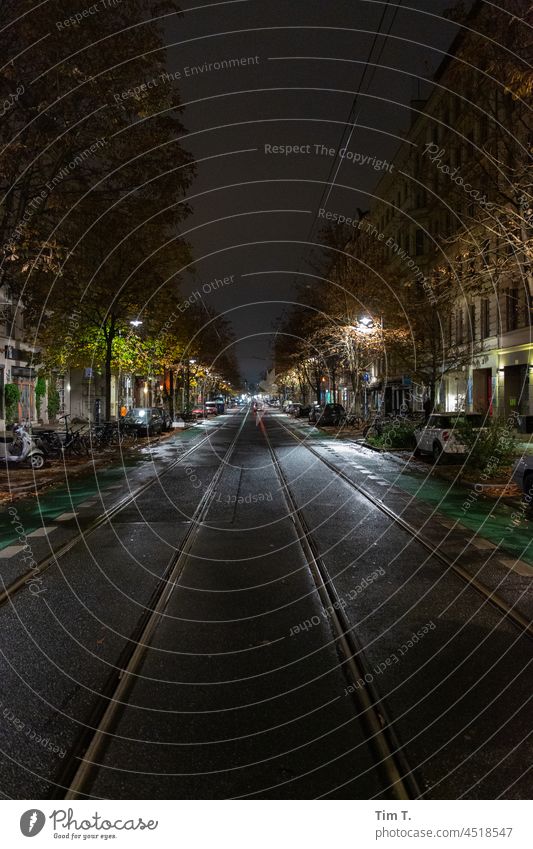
(390, 761)
(511, 615)
(82, 764)
(22, 581)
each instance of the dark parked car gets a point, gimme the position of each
(300, 411)
(148, 421)
(167, 418)
(329, 415)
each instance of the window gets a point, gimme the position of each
(511, 309)
(448, 224)
(421, 198)
(419, 242)
(459, 327)
(485, 318)
(472, 317)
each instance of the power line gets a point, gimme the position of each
(350, 123)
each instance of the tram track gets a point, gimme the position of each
(22, 581)
(509, 612)
(85, 757)
(80, 765)
(397, 776)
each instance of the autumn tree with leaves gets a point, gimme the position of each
(92, 171)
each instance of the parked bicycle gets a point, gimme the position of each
(111, 435)
(68, 443)
(375, 426)
(355, 420)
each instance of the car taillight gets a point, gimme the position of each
(445, 435)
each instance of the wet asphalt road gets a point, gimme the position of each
(237, 695)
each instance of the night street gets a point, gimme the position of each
(244, 571)
(266, 423)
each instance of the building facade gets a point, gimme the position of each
(452, 234)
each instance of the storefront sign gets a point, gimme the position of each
(12, 353)
(23, 371)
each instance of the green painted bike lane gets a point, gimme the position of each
(500, 523)
(35, 512)
(489, 519)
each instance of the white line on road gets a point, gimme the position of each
(10, 551)
(42, 532)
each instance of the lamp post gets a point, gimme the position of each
(363, 326)
(188, 384)
(135, 324)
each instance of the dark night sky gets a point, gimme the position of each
(253, 211)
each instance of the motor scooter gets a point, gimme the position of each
(22, 450)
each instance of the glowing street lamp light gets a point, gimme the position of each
(136, 322)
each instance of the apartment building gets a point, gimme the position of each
(448, 221)
(17, 361)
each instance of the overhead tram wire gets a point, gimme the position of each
(353, 123)
(350, 124)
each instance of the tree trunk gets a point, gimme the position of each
(109, 338)
(171, 393)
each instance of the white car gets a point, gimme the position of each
(523, 475)
(439, 436)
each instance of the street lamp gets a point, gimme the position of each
(190, 362)
(136, 322)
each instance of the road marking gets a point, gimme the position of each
(65, 517)
(448, 523)
(517, 566)
(10, 551)
(87, 504)
(482, 543)
(42, 532)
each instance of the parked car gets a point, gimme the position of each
(148, 421)
(213, 408)
(301, 411)
(167, 418)
(314, 410)
(439, 435)
(332, 414)
(523, 476)
(327, 414)
(202, 411)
